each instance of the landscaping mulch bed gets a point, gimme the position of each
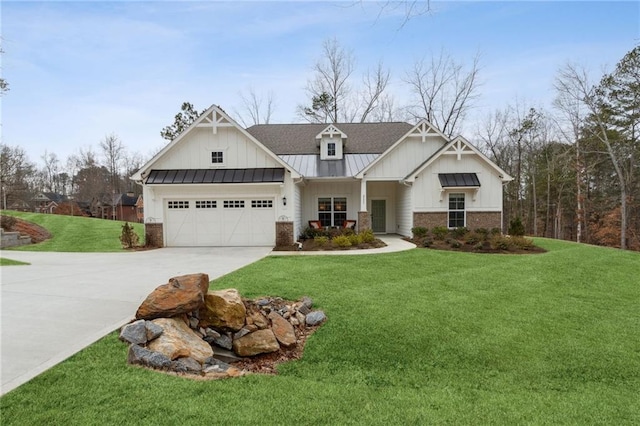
(313, 245)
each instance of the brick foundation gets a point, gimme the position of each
(486, 220)
(153, 235)
(284, 234)
(364, 221)
(429, 219)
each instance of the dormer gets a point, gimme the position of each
(332, 141)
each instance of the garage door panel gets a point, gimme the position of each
(221, 222)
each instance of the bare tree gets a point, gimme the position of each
(443, 91)
(329, 88)
(113, 153)
(255, 108)
(16, 175)
(371, 96)
(50, 171)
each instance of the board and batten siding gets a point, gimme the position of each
(298, 225)
(405, 157)
(427, 189)
(315, 190)
(194, 151)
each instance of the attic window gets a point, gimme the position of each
(331, 149)
(217, 157)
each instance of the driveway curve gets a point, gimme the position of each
(63, 302)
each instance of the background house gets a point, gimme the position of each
(220, 184)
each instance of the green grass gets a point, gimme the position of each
(10, 262)
(418, 337)
(76, 234)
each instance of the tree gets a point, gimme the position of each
(334, 98)
(50, 172)
(187, 115)
(4, 86)
(256, 109)
(113, 153)
(16, 175)
(443, 91)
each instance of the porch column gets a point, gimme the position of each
(363, 195)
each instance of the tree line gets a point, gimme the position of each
(574, 163)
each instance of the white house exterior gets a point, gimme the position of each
(218, 184)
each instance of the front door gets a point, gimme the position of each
(379, 216)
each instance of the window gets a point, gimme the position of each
(332, 211)
(206, 204)
(217, 157)
(233, 204)
(456, 210)
(261, 204)
(331, 149)
(178, 204)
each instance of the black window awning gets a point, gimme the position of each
(187, 176)
(455, 180)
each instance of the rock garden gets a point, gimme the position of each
(184, 328)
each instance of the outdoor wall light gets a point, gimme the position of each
(284, 201)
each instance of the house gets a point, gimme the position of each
(218, 184)
(115, 207)
(140, 209)
(47, 202)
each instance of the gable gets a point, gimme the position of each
(407, 153)
(214, 140)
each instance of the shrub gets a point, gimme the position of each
(440, 232)
(459, 232)
(478, 246)
(455, 243)
(367, 236)
(473, 238)
(522, 243)
(342, 241)
(310, 233)
(483, 232)
(500, 242)
(419, 231)
(7, 222)
(321, 240)
(496, 231)
(427, 242)
(356, 239)
(128, 237)
(516, 228)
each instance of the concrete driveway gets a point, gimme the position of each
(63, 302)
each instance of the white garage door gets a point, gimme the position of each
(220, 222)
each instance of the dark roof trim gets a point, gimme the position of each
(452, 180)
(191, 176)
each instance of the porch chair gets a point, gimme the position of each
(349, 224)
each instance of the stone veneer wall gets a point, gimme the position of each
(429, 219)
(475, 220)
(153, 236)
(284, 234)
(486, 220)
(364, 221)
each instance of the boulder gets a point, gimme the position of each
(186, 365)
(315, 317)
(180, 295)
(135, 333)
(178, 340)
(143, 356)
(282, 329)
(258, 342)
(258, 319)
(153, 330)
(223, 309)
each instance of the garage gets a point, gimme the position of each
(228, 221)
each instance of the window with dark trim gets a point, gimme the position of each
(217, 157)
(331, 149)
(206, 204)
(233, 204)
(456, 210)
(332, 211)
(261, 204)
(178, 204)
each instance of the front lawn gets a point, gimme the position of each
(10, 262)
(416, 337)
(76, 234)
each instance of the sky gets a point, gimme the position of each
(81, 70)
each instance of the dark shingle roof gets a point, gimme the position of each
(362, 138)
